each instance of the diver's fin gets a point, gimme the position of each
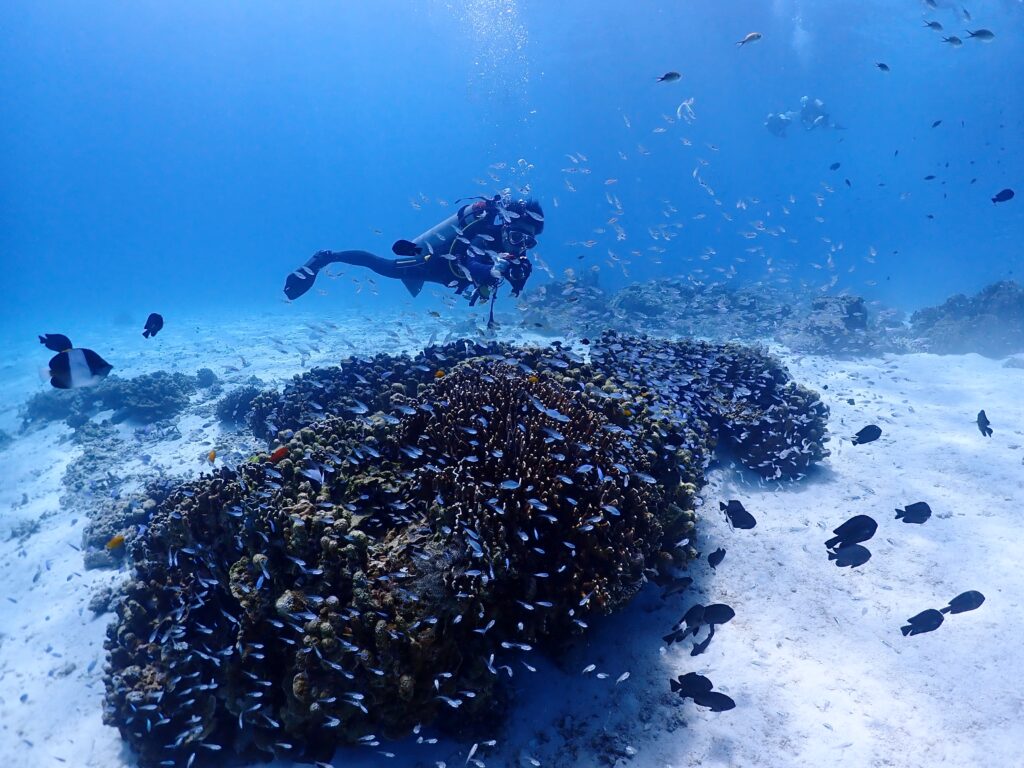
(406, 248)
(414, 286)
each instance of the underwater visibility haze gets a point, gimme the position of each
(511, 383)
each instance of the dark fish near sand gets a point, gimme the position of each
(153, 325)
(738, 516)
(718, 613)
(869, 434)
(669, 77)
(715, 701)
(984, 425)
(699, 648)
(850, 556)
(1002, 196)
(855, 530)
(966, 601)
(76, 368)
(925, 621)
(882, 66)
(716, 557)
(918, 512)
(691, 684)
(56, 342)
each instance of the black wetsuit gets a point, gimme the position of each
(474, 247)
(413, 271)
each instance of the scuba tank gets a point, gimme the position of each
(469, 228)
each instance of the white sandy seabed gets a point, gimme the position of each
(814, 658)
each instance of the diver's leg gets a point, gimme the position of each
(301, 280)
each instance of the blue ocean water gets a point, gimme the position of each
(181, 157)
(184, 158)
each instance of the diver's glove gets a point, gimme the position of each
(301, 280)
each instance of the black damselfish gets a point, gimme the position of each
(855, 530)
(715, 701)
(716, 557)
(869, 434)
(850, 556)
(57, 342)
(918, 512)
(984, 425)
(966, 601)
(738, 516)
(153, 325)
(690, 685)
(925, 621)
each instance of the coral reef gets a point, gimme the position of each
(206, 378)
(836, 325)
(234, 407)
(144, 399)
(990, 323)
(423, 532)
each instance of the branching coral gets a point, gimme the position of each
(387, 565)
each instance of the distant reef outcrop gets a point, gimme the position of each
(990, 323)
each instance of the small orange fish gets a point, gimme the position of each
(533, 378)
(278, 454)
(115, 542)
(211, 456)
(438, 374)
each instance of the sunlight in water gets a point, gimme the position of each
(499, 40)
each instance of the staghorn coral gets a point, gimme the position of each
(400, 554)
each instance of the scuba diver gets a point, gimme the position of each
(778, 122)
(813, 114)
(480, 246)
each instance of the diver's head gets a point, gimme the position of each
(524, 220)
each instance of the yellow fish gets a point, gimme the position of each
(211, 456)
(115, 542)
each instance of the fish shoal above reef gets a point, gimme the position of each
(383, 571)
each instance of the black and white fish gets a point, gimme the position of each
(153, 325)
(918, 512)
(74, 368)
(925, 621)
(737, 515)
